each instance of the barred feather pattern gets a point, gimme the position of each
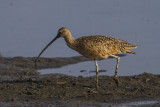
(97, 47)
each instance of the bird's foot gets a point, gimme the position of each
(116, 80)
(97, 87)
(93, 91)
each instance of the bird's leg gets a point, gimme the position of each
(97, 70)
(115, 76)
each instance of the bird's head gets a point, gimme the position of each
(62, 32)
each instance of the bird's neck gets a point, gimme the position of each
(69, 40)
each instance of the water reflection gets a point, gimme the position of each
(82, 68)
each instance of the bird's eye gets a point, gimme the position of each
(60, 32)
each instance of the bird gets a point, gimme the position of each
(94, 47)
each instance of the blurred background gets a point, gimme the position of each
(27, 26)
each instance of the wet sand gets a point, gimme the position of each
(21, 84)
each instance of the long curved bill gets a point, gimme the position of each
(45, 49)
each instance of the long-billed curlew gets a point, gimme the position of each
(95, 47)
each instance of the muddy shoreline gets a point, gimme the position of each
(20, 83)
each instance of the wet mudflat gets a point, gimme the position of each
(21, 84)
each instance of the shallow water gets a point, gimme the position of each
(88, 69)
(141, 103)
(27, 26)
(88, 104)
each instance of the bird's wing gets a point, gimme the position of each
(104, 45)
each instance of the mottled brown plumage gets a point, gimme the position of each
(95, 47)
(98, 47)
